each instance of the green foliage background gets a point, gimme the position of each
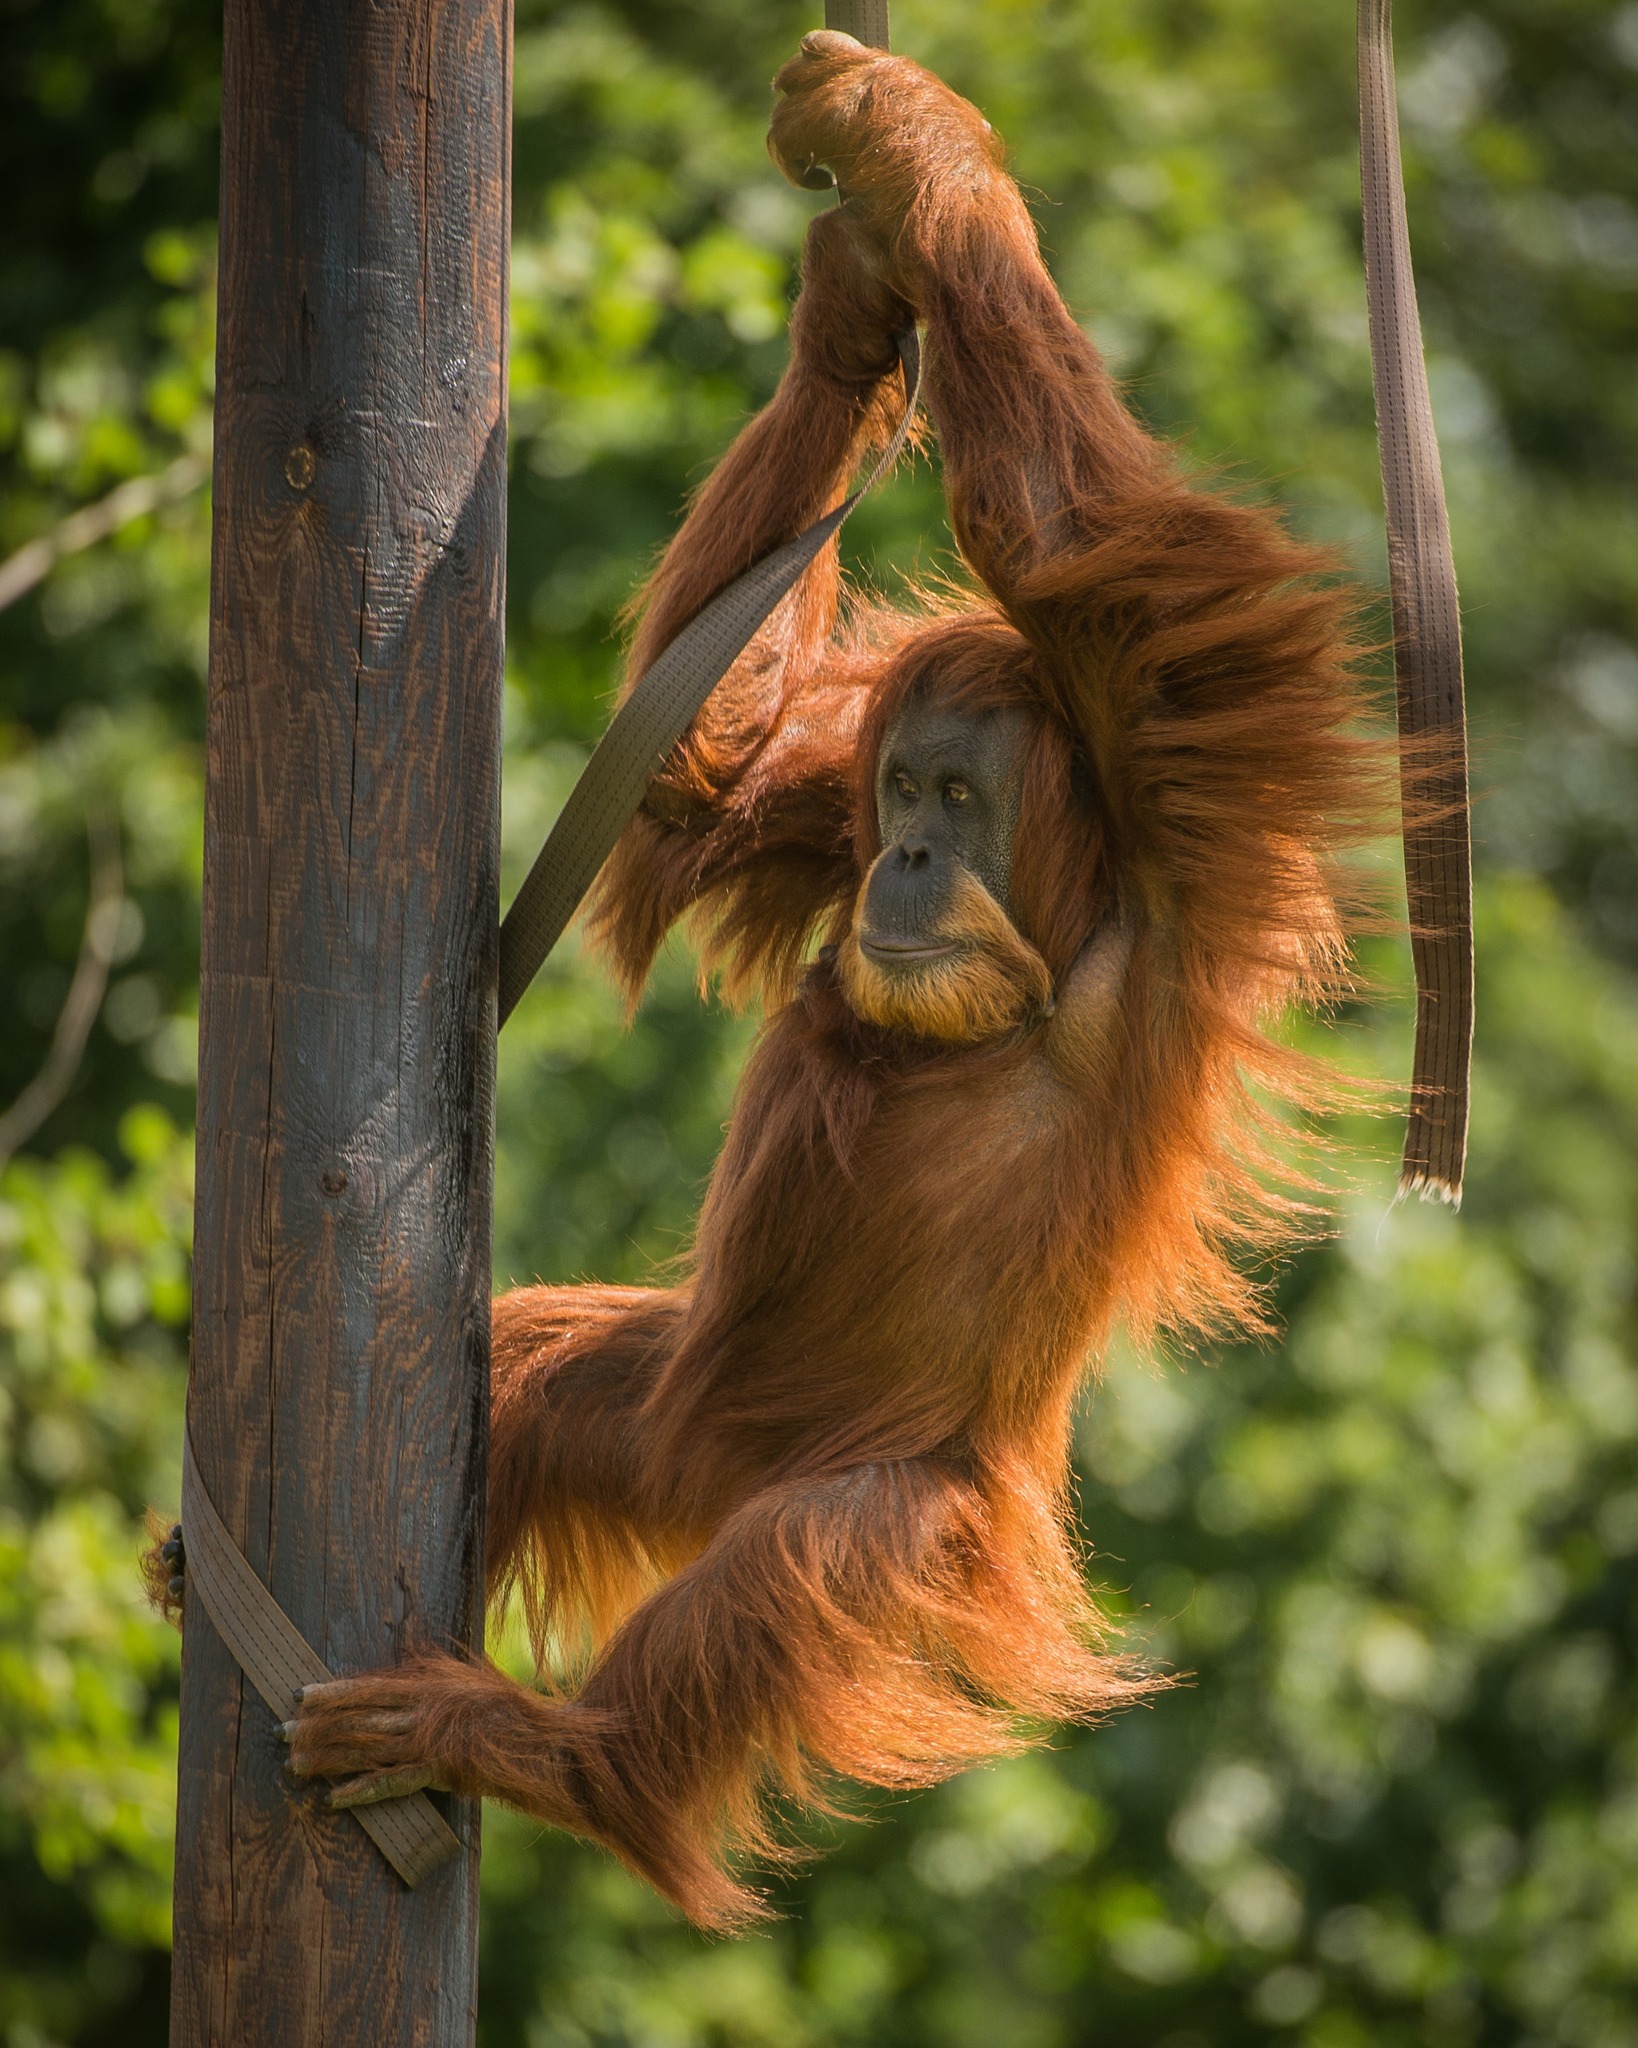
(1396, 1802)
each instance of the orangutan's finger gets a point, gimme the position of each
(374, 1786)
(327, 1692)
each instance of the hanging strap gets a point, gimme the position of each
(278, 1660)
(1427, 631)
(662, 705)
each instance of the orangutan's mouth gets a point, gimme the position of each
(905, 952)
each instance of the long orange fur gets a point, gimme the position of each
(808, 1508)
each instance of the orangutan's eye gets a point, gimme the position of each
(905, 787)
(956, 792)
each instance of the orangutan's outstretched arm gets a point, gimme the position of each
(1187, 641)
(789, 467)
(1038, 448)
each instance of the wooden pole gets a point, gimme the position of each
(341, 1294)
(865, 20)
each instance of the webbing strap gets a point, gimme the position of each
(662, 705)
(1427, 629)
(278, 1660)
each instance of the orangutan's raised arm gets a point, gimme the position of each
(1037, 447)
(750, 821)
(835, 405)
(1195, 650)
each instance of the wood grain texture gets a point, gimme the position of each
(341, 1294)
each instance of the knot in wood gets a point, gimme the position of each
(333, 1181)
(299, 467)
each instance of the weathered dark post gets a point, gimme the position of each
(341, 1298)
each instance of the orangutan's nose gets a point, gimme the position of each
(913, 851)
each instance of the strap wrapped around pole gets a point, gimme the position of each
(1427, 646)
(278, 1660)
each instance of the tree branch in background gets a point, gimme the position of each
(33, 562)
(85, 991)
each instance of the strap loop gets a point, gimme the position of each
(278, 1660)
